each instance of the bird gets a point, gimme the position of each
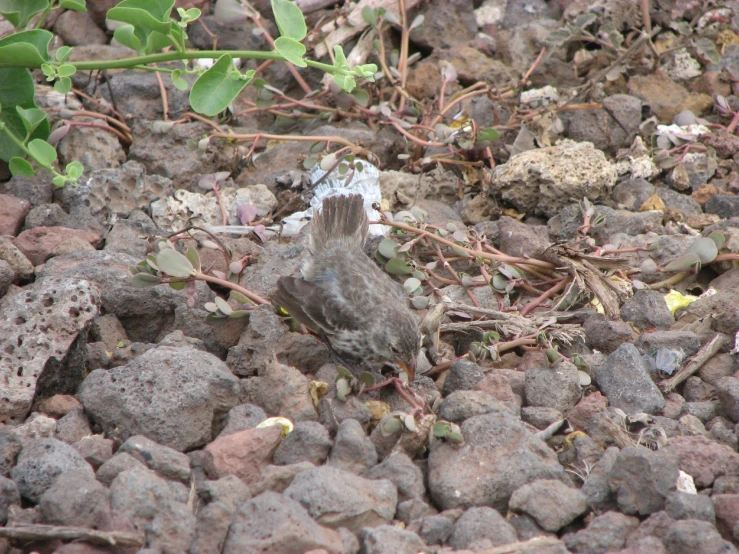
(344, 298)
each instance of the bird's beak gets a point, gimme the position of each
(409, 368)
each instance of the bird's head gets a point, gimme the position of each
(400, 341)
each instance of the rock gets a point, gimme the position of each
(595, 486)
(625, 381)
(308, 441)
(54, 312)
(686, 341)
(211, 530)
(551, 503)
(555, 386)
(353, 450)
(40, 464)
(150, 505)
(464, 404)
(544, 180)
(9, 496)
(283, 390)
(400, 470)
(727, 390)
(37, 426)
(586, 408)
(499, 456)
(723, 508)
(48, 215)
(723, 205)
(606, 533)
(10, 447)
(77, 500)
(642, 479)
(388, 538)
(228, 490)
(462, 375)
(73, 427)
(13, 211)
(541, 418)
(96, 450)
(498, 385)
(481, 528)
(241, 417)
(273, 522)
(606, 335)
(7, 276)
(665, 97)
(683, 505)
(695, 390)
(21, 266)
(38, 243)
(278, 478)
(520, 239)
(337, 498)
(647, 309)
(173, 396)
(598, 126)
(333, 411)
(245, 454)
(167, 462)
(696, 537)
(436, 529)
(59, 405)
(703, 458)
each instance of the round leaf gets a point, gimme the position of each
(388, 248)
(420, 302)
(719, 238)
(343, 389)
(173, 263)
(223, 306)
(19, 166)
(289, 19)
(292, 50)
(411, 284)
(410, 423)
(686, 262)
(390, 426)
(398, 267)
(706, 249)
(141, 280)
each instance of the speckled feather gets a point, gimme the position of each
(344, 296)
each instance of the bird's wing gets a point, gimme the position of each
(312, 306)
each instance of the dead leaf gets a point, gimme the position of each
(654, 202)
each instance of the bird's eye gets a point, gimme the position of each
(394, 350)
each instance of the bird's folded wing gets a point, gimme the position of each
(312, 306)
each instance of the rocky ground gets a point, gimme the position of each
(130, 423)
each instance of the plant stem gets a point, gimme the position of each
(254, 297)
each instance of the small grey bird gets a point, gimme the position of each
(344, 297)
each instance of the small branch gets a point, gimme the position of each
(254, 297)
(672, 280)
(548, 294)
(520, 547)
(704, 354)
(35, 532)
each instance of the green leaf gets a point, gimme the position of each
(177, 80)
(223, 306)
(719, 238)
(31, 117)
(63, 85)
(126, 35)
(390, 425)
(488, 134)
(343, 389)
(177, 285)
(361, 97)
(239, 314)
(411, 285)
(289, 19)
(151, 15)
(173, 263)
(292, 50)
(74, 5)
(62, 53)
(216, 88)
(43, 152)
(685, 262)
(366, 378)
(19, 166)
(441, 429)
(19, 12)
(388, 248)
(66, 70)
(398, 267)
(369, 15)
(59, 181)
(346, 82)
(705, 248)
(27, 48)
(552, 355)
(74, 170)
(194, 258)
(142, 280)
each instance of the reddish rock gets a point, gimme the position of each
(13, 211)
(703, 458)
(245, 454)
(59, 405)
(38, 243)
(727, 513)
(498, 386)
(586, 408)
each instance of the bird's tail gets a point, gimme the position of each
(342, 221)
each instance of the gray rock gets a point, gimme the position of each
(464, 404)
(333, 411)
(642, 479)
(705, 410)
(73, 427)
(521, 239)
(173, 396)
(436, 529)
(77, 500)
(412, 511)
(399, 469)
(10, 447)
(96, 450)
(724, 205)
(606, 335)
(727, 389)
(606, 533)
(273, 522)
(337, 498)
(551, 503)
(308, 441)
(130, 235)
(22, 267)
(683, 505)
(167, 462)
(541, 418)
(9, 496)
(555, 387)
(499, 456)
(463, 375)
(211, 530)
(595, 487)
(119, 463)
(152, 507)
(352, 450)
(53, 312)
(625, 381)
(7, 276)
(598, 126)
(283, 390)
(481, 528)
(40, 464)
(388, 538)
(229, 490)
(647, 309)
(655, 526)
(692, 536)
(243, 416)
(686, 341)
(697, 390)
